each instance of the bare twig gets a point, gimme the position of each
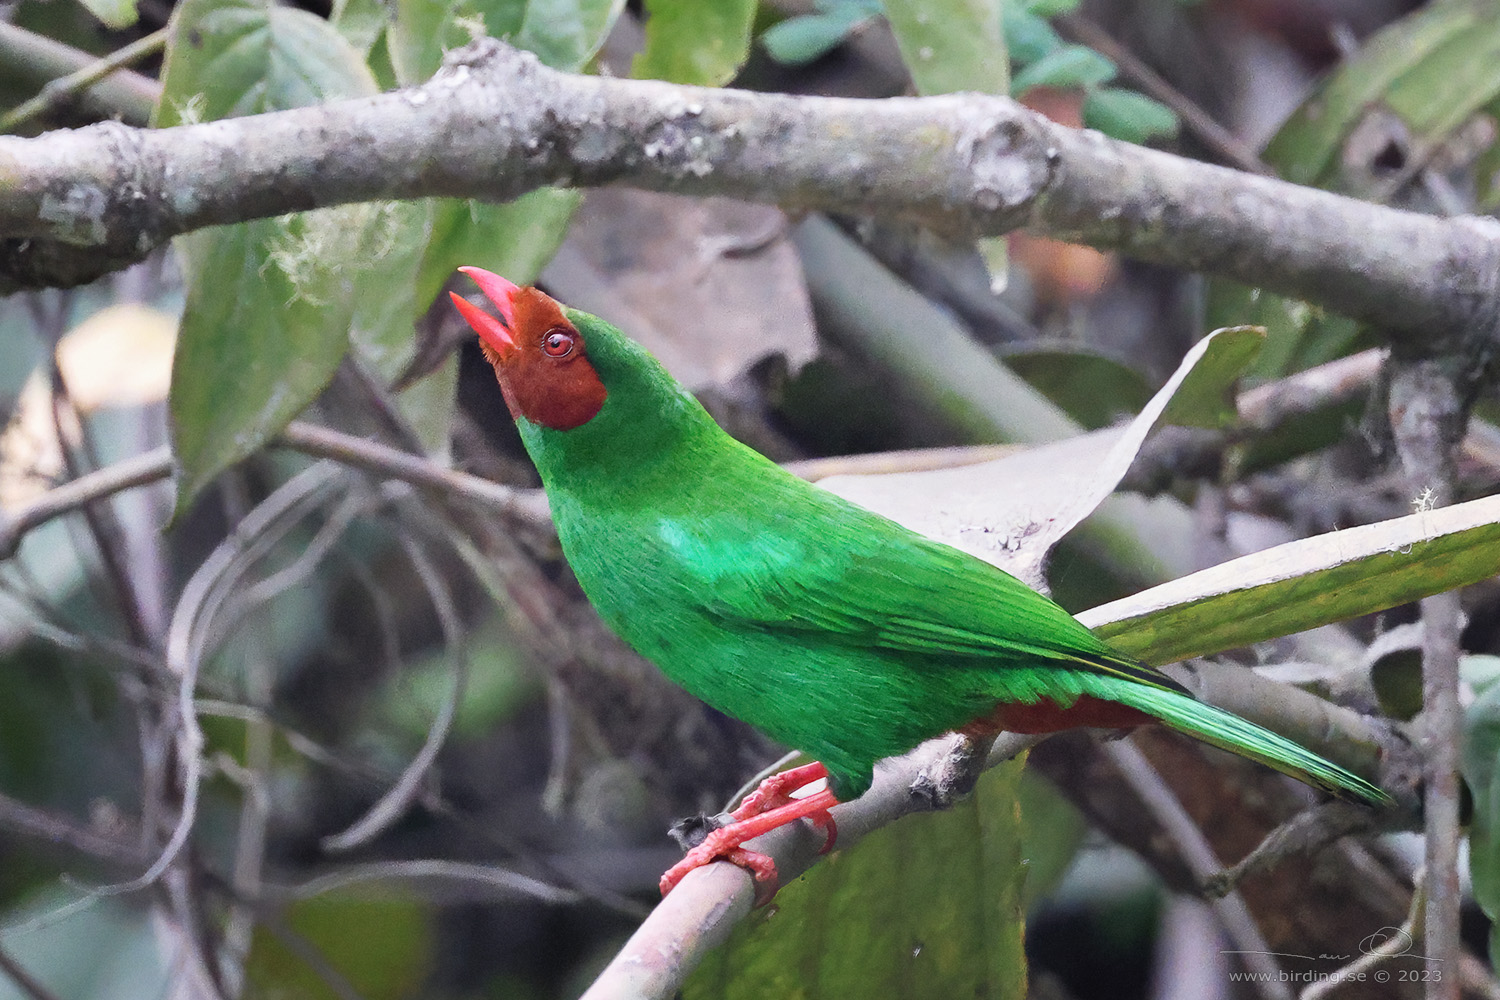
(1443, 718)
(1227, 146)
(149, 467)
(1393, 946)
(394, 803)
(67, 88)
(1304, 833)
(255, 817)
(508, 883)
(495, 124)
(30, 821)
(526, 505)
(1427, 411)
(204, 593)
(37, 58)
(104, 529)
(1231, 910)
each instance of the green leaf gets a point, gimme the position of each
(1481, 755)
(391, 241)
(383, 946)
(1298, 335)
(951, 45)
(1307, 583)
(115, 14)
(361, 22)
(564, 34)
(1416, 84)
(1206, 397)
(1092, 389)
(930, 906)
(269, 302)
(1481, 671)
(242, 57)
(1128, 116)
(515, 238)
(1411, 56)
(1028, 36)
(1069, 66)
(256, 344)
(1052, 830)
(688, 41)
(1046, 8)
(800, 40)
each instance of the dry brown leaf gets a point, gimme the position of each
(709, 285)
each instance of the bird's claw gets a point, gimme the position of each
(765, 809)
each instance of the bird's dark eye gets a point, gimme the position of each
(558, 344)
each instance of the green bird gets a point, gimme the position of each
(829, 627)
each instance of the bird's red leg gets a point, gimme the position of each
(763, 810)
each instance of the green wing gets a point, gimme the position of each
(823, 565)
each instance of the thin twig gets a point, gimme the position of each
(394, 803)
(41, 824)
(36, 58)
(1394, 946)
(152, 466)
(314, 959)
(255, 817)
(526, 505)
(1443, 718)
(510, 883)
(1231, 910)
(140, 470)
(1306, 832)
(204, 593)
(1426, 409)
(104, 529)
(264, 591)
(1229, 147)
(67, 88)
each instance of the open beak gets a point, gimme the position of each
(501, 293)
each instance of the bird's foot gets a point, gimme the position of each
(768, 807)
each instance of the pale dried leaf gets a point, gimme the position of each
(1012, 511)
(709, 285)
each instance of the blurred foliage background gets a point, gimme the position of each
(426, 769)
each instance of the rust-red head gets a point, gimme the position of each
(539, 355)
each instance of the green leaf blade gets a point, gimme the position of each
(269, 302)
(1305, 584)
(695, 43)
(951, 45)
(929, 906)
(1069, 66)
(1128, 116)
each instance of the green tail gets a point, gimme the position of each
(1230, 732)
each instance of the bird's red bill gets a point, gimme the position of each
(501, 293)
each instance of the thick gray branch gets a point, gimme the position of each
(495, 124)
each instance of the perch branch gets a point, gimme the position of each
(495, 123)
